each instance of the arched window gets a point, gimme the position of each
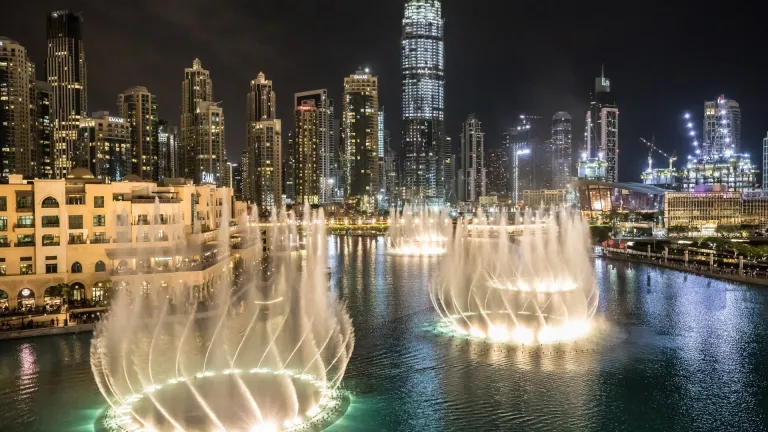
(77, 268)
(50, 202)
(100, 266)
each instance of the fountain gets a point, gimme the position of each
(262, 354)
(419, 231)
(536, 287)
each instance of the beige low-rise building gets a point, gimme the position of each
(95, 237)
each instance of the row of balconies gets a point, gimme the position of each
(82, 241)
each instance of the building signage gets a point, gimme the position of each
(116, 119)
(26, 292)
(209, 178)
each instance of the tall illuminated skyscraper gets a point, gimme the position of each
(17, 111)
(139, 108)
(360, 128)
(325, 152)
(306, 153)
(168, 155)
(44, 126)
(722, 127)
(602, 129)
(263, 146)
(561, 150)
(196, 87)
(472, 160)
(66, 72)
(423, 101)
(765, 163)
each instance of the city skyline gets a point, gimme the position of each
(498, 95)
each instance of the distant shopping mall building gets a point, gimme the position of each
(598, 199)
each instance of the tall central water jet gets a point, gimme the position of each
(537, 286)
(258, 354)
(419, 230)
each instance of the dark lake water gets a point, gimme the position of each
(693, 355)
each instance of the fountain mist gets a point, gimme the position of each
(419, 230)
(263, 351)
(536, 286)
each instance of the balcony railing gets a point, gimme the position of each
(51, 243)
(49, 205)
(50, 224)
(25, 209)
(152, 200)
(152, 270)
(5, 244)
(122, 240)
(25, 243)
(99, 240)
(24, 225)
(78, 241)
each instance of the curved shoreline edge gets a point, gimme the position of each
(684, 269)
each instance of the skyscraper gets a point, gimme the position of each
(472, 160)
(196, 87)
(211, 159)
(765, 163)
(139, 108)
(722, 127)
(109, 142)
(66, 72)
(423, 104)
(289, 169)
(561, 150)
(602, 128)
(261, 99)
(449, 161)
(361, 139)
(392, 180)
(245, 167)
(168, 150)
(263, 145)
(530, 155)
(17, 111)
(237, 181)
(307, 155)
(326, 151)
(497, 172)
(383, 136)
(44, 126)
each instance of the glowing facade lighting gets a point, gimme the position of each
(423, 99)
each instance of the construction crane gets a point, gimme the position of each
(652, 147)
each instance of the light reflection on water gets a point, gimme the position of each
(694, 358)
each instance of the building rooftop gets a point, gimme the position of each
(80, 173)
(635, 187)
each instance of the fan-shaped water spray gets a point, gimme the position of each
(535, 286)
(261, 354)
(419, 230)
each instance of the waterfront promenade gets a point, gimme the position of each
(677, 263)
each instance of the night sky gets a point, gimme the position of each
(503, 58)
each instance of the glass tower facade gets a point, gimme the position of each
(423, 101)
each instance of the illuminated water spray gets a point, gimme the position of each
(419, 231)
(267, 353)
(536, 287)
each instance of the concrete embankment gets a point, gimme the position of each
(46, 331)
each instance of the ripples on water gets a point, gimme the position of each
(694, 357)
